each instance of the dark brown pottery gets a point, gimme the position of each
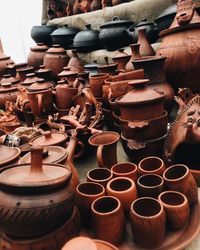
(36, 55)
(5, 61)
(30, 79)
(145, 47)
(22, 72)
(43, 73)
(9, 79)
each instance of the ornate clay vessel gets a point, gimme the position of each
(36, 55)
(180, 45)
(75, 63)
(151, 165)
(100, 175)
(125, 169)
(135, 54)
(145, 47)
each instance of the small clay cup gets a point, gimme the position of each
(176, 208)
(150, 185)
(108, 221)
(151, 165)
(125, 169)
(148, 222)
(100, 175)
(86, 193)
(124, 189)
(179, 178)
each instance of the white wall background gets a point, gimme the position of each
(16, 21)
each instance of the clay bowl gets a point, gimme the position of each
(125, 169)
(151, 165)
(100, 175)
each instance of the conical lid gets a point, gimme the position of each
(42, 69)
(7, 87)
(40, 47)
(8, 78)
(41, 84)
(30, 79)
(8, 154)
(56, 49)
(35, 176)
(68, 72)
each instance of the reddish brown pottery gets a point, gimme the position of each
(7, 93)
(145, 47)
(36, 55)
(135, 54)
(100, 175)
(125, 169)
(75, 63)
(121, 58)
(151, 165)
(96, 84)
(5, 61)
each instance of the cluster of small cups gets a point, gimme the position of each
(152, 197)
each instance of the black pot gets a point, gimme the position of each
(87, 40)
(151, 30)
(41, 34)
(64, 36)
(114, 35)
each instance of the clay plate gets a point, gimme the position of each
(176, 240)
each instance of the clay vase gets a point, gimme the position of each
(55, 59)
(36, 55)
(5, 61)
(106, 142)
(43, 73)
(176, 208)
(147, 217)
(108, 221)
(145, 47)
(125, 169)
(179, 178)
(86, 193)
(121, 59)
(116, 2)
(125, 190)
(75, 63)
(96, 84)
(151, 165)
(95, 5)
(100, 175)
(154, 70)
(135, 54)
(150, 185)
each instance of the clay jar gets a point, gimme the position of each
(96, 84)
(75, 63)
(124, 189)
(151, 165)
(176, 207)
(106, 142)
(179, 178)
(150, 185)
(141, 103)
(145, 47)
(108, 219)
(86, 193)
(7, 93)
(135, 54)
(55, 59)
(125, 169)
(100, 175)
(154, 70)
(36, 55)
(147, 217)
(68, 75)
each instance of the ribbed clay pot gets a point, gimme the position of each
(36, 55)
(125, 169)
(151, 165)
(100, 175)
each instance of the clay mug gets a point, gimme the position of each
(108, 221)
(179, 178)
(86, 193)
(125, 169)
(176, 208)
(100, 175)
(148, 222)
(151, 165)
(150, 185)
(106, 151)
(124, 189)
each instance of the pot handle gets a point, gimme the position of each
(115, 18)
(135, 145)
(100, 156)
(138, 125)
(40, 101)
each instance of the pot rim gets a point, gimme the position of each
(147, 158)
(121, 163)
(108, 186)
(99, 180)
(145, 186)
(185, 200)
(90, 183)
(177, 179)
(104, 132)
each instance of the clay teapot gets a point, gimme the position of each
(36, 55)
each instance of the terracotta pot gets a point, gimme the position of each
(80, 243)
(96, 83)
(124, 189)
(86, 193)
(7, 93)
(9, 155)
(119, 89)
(135, 54)
(43, 73)
(145, 130)
(40, 85)
(68, 75)
(109, 68)
(55, 59)
(75, 63)
(178, 178)
(108, 219)
(30, 79)
(5, 61)
(36, 55)
(180, 44)
(155, 72)
(151, 165)
(136, 74)
(100, 175)
(141, 103)
(47, 193)
(22, 72)
(106, 142)
(145, 47)
(147, 217)
(121, 59)
(150, 185)
(125, 169)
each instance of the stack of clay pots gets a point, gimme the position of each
(143, 120)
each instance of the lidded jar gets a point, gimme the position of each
(30, 79)
(36, 55)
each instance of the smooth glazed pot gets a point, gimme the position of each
(36, 55)
(151, 165)
(108, 219)
(100, 175)
(179, 178)
(147, 217)
(125, 169)
(176, 208)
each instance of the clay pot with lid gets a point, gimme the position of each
(22, 72)
(5, 61)
(141, 103)
(40, 84)
(55, 59)
(7, 93)
(41, 34)
(75, 63)
(30, 79)
(30, 190)
(9, 155)
(43, 73)
(36, 55)
(68, 74)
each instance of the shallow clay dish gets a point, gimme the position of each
(103, 245)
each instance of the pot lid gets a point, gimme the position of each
(49, 139)
(56, 49)
(8, 154)
(41, 84)
(144, 22)
(67, 72)
(40, 47)
(37, 175)
(141, 94)
(86, 35)
(7, 87)
(27, 68)
(30, 79)
(116, 22)
(9, 78)
(51, 154)
(64, 31)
